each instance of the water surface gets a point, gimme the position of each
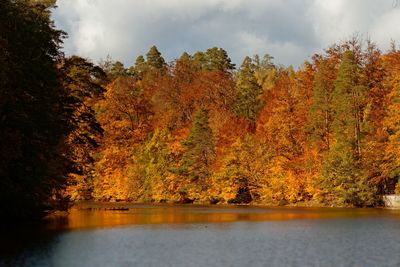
(189, 235)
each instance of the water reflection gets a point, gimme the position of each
(20, 238)
(176, 235)
(97, 215)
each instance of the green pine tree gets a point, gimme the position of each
(342, 172)
(217, 59)
(321, 112)
(154, 59)
(185, 57)
(138, 69)
(139, 61)
(348, 97)
(117, 70)
(200, 149)
(248, 103)
(213, 59)
(200, 60)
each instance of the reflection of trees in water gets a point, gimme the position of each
(42, 243)
(26, 241)
(98, 215)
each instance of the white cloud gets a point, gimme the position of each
(387, 28)
(252, 44)
(334, 21)
(288, 30)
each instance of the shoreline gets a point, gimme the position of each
(125, 205)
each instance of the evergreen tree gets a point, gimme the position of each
(248, 103)
(154, 59)
(217, 59)
(117, 70)
(321, 113)
(214, 59)
(200, 59)
(140, 61)
(342, 171)
(199, 148)
(345, 179)
(138, 69)
(185, 57)
(265, 71)
(348, 97)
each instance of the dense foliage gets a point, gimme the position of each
(194, 130)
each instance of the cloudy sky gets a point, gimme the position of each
(291, 30)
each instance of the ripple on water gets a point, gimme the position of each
(191, 237)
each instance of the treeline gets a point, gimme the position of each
(198, 130)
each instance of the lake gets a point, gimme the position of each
(195, 235)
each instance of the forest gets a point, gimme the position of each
(198, 129)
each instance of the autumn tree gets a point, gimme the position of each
(154, 162)
(246, 173)
(124, 115)
(112, 68)
(197, 130)
(376, 79)
(281, 126)
(127, 100)
(84, 83)
(265, 71)
(390, 166)
(184, 89)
